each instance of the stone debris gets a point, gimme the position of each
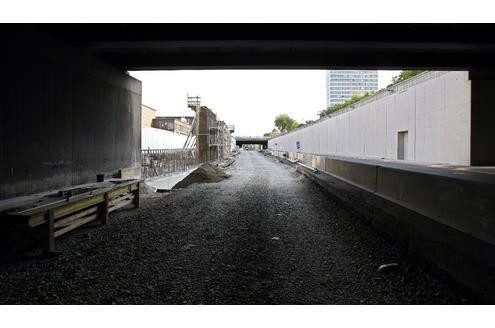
(188, 246)
(387, 267)
(227, 163)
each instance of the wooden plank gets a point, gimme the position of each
(76, 224)
(69, 208)
(120, 205)
(104, 211)
(79, 197)
(124, 189)
(116, 201)
(95, 199)
(74, 207)
(136, 197)
(69, 219)
(37, 216)
(120, 190)
(49, 238)
(61, 202)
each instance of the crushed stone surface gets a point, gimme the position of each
(261, 237)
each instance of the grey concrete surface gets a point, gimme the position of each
(482, 118)
(65, 116)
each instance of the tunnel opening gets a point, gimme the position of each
(79, 85)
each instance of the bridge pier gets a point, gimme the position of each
(64, 116)
(482, 117)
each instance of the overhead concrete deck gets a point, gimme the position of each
(315, 46)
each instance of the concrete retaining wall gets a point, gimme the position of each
(65, 116)
(433, 108)
(448, 220)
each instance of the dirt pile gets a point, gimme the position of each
(227, 163)
(206, 173)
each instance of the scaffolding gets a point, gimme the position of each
(212, 136)
(216, 140)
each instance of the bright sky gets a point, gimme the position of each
(248, 99)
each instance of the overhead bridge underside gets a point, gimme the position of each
(263, 141)
(261, 46)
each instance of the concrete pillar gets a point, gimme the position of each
(65, 116)
(482, 117)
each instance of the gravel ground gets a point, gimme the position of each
(263, 236)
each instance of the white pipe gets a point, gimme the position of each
(315, 170)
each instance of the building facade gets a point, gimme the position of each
(342, 85)
(174, 124)
(147, 116)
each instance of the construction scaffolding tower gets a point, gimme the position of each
(212, 136)
(216, 140)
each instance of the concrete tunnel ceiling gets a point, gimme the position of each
(280, 46)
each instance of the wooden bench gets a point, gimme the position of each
(58, 217)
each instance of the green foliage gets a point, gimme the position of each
(285, 123)
(357, 97)
(275, 133)
(404, 75)
(294, 125)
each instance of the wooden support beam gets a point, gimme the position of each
(120, 205)
(120, 199)
(136, 197)
(48, 233)
(78, 223)
(70, 219)
(59, 217)
(104, 211)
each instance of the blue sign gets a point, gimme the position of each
(298, 145)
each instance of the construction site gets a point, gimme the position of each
(35, 221)
(387, 201)
(208, 139)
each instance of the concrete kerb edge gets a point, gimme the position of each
(417, 232)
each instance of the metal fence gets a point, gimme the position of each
(157, 162)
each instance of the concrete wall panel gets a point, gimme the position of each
(65, 118)
(463, 205)
(434, 112)
(362, 175)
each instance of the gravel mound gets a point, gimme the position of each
(206, 173)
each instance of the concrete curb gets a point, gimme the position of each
(464, 257)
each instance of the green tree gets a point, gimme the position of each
(275, 133)
(357, 97)
(285, 123)
(404, 75)
(294, 125)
